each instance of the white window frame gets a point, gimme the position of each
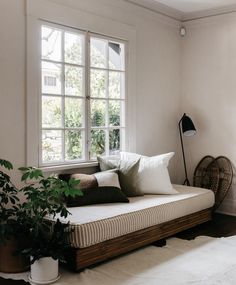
(86, 96)
(62, 96)
(76, 19)
(107, 99)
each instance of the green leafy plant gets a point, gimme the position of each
(44, 200)
(45, 197)
(49, 240)
(8, 194)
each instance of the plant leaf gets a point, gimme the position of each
(7, 164)
(25, 176)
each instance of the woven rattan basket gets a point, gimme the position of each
(200, 170)
(211, 178)
(214, 174)
(225, 181)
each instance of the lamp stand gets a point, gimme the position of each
(186, 181)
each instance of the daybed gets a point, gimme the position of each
(103, 231)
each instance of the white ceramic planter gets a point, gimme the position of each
(44, 271)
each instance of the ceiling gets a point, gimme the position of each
(187, 9)
(189, 6)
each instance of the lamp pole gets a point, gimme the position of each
(186, 181)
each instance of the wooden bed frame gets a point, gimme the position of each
(80, 258)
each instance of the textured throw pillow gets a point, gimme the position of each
(106, 178)
(128, 174)
(153, 175)
(109, 162)
(86, 180)
(98, 195)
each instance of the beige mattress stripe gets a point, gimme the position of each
(97, 231)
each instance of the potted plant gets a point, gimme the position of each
(47, 240)
(44, 200)
(46, 248)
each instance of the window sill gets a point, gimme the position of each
(68, 166)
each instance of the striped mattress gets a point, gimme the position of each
(97, 223)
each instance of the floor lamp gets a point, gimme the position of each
(188, 129)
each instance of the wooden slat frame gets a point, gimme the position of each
(79, 258)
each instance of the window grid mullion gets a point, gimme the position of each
(107, 69)
(108, 128)
(66, 96)
(40, 145)
(62, 61)
(63, 93)
(87, 134)
(107, 102)
(105, 98)
(62, 129)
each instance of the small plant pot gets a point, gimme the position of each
(44, 271)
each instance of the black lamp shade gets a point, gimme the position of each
(188, 127)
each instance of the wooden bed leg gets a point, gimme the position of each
(159, 243)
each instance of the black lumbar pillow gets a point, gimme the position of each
(98, 195)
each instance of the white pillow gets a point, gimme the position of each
(107, 179)
(153, 175)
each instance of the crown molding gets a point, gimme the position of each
(175, 14)
(208, 13)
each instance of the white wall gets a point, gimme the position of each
(157, 74)
(12, 81)
(208, 83)
(209, 91)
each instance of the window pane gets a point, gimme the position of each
(73, 80)
(74, 109)
(116, 84)
(51, 78)
(74, 48)
(98, 56)
(116, 56)
(51, 43)
(114, 113)
(114, 141)
(97, 146)
(98, 113)
(51, 112)
(51, 145)
(73, 145)
(98, 83)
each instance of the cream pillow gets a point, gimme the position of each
(107, 179)
(153, 176)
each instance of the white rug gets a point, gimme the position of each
(204, 261)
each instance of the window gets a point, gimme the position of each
(82, 95)
(50, 81)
